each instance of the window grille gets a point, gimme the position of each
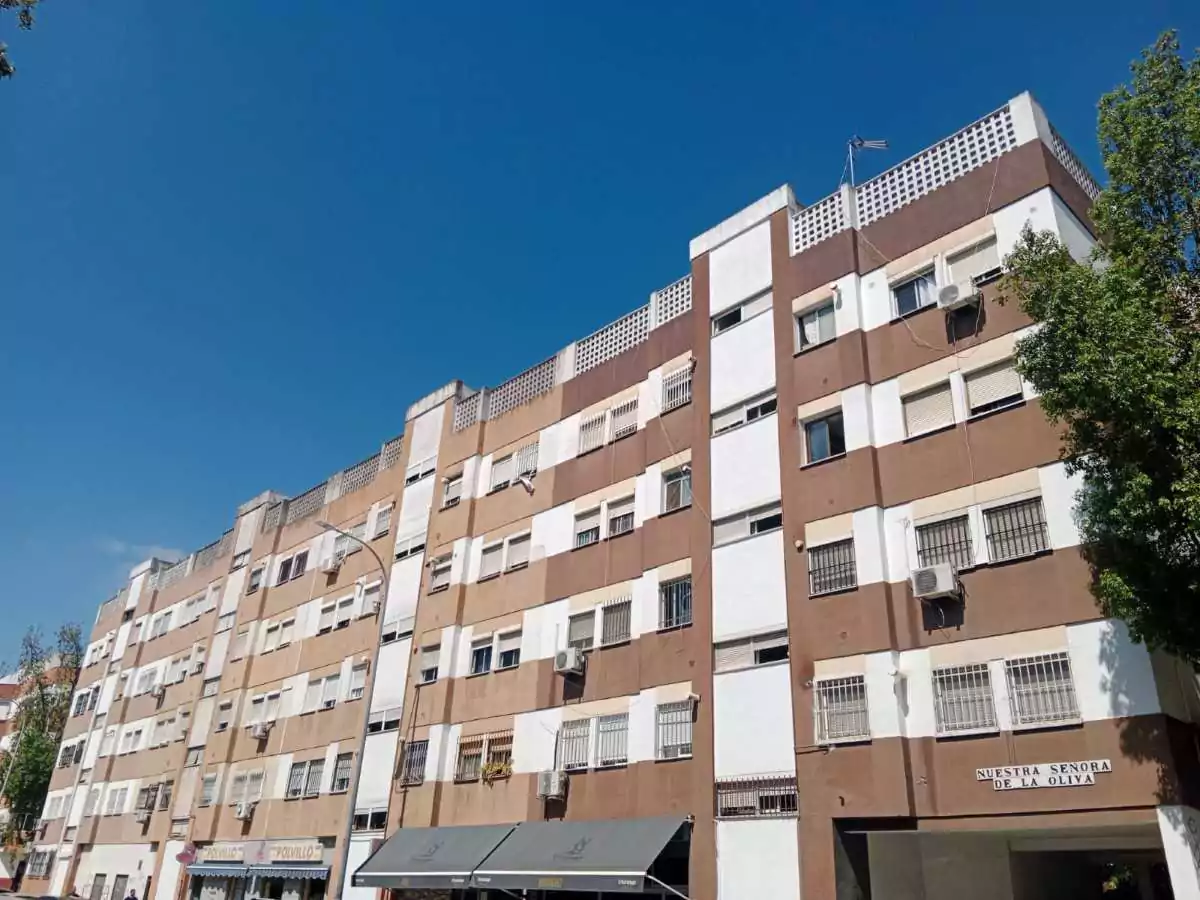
(831, 567)
(675, 603)
(412, 770)
(1016, 529)
(615, 619)
(612, 740)
(500, 749)
(624, 419)
(841, 709)
(962, 697)
(945, 541)
(527, 459)
(677, 388)
(573, 740)
(470, 759)
(591, 432)
(673, 730)
(312, 784)
(1041, 690)
(758, 797)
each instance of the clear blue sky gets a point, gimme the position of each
(239, 238)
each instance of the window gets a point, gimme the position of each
(224, 715)
(928, 410)
(299, 564)
(499, 754)
(962, 699)
(345, 612)
(945, 541)
(527, 460)
(341, 773)
(271, 638)
(760, 650)
(193, 756)
(1016, 529)
(329, 691)
(677, 388)
(285, 571)
(358, 682)
(758, 797)
(271, 709)
(312, 696)
(257, 706)
(841, 709)
(65, 756)
(509, 650)
(439, 574)
(502, 472)
(412, 770)
(369, 820)
(312, 781)
(419, 470)
(518, 552)
(815, 327)
(675, 602)
(615, 618)
(677, 489)
(429, 663)
(747, 411)
(287, 631)
(591, 432)
(93, 800)
(481, 656)
(993, 388)
(915, 293)
(410, 546)
(239, 560)
(295, 785)
(208, 789)
(39, 863)
(624, 419)
(490, 561)
(673, 730)
(255, 583)
(824, 438)
(164, 794)
(741, 313)
(81, 704)
(470, 759)
(452, 490)
(384, 720)
(620, 517)
(612, 740)
(976, 264)
(147, 797)
(179, 828)
(574, 738)
(383, 521)
(160, 625)
(240, 642)
(831, 567)
(581, 629)
(1041, 690)
(587, 528)
(391, 631)
(325, 621)
(747, 524)
(226, 622)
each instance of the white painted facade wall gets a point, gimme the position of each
(749, 593)
(745, 467)
(752, 722)
(739, 268)
(757, 859)
(379, 762)
(133, 860)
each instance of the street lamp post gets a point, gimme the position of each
(356, 770)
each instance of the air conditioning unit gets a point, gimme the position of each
(260, 730)
(552, 784)
(956, 296)
(244, 811)
(568, 661)
(332, 565)
(939, 580)
(142, 816)
(158, 691)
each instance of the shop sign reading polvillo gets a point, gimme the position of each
(1044, 775)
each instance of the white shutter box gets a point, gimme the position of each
(730, 530)
(928, 410)
(733, 655)
(993, 384)
(510, 641)
(771, 641)
(587, 520)
(972, 263)
(502, 471)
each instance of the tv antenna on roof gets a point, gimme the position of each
(853, 146)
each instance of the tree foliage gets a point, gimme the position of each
(47, 675)
(24, 14)
(1117, 355)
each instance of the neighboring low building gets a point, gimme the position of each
(770, 588)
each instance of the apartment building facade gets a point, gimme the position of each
(770, 588)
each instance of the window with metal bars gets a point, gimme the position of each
(499, 752)
(312, 784)
(581, 630)
(620, 516)
(831, 567)
(612, 740)
(673, 730)
(1016, 529)
(945, 541)
(574, 738)
(591, 432)
(624, 419)
(412, 770)
(758, 797)
(675, 602)
(1041, 690)
(470, 759)
(677, 388)
(295, 784)
(615, 619)
(841, 709)
(527, 459)
(341, 773)
(962, 699)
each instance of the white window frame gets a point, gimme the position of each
(358, 682)
(747, 524)
(491, 561)
(684, 473)
(438, 567)
(814, 313)
(826, 417)
(743, 312)
(452, 488)
(738, 415)
(926, 272)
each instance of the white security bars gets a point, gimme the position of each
(963, 701)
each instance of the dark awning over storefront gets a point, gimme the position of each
(430, 857)
(216, 870)
(597, 855)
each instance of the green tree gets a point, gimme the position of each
(47, 675)
(24, 10)
(1117, 356)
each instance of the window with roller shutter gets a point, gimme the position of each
(993, 388)
(581, 630)
(502, 473)
(587, 528)
(509, 650)
(975, 265)
(928, 410)
(745, 653)
(518, 552)
(489, 564)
